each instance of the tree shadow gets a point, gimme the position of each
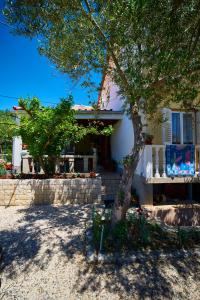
(147, 278)
(41, 234)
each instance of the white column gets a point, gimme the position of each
(142, 163)
(71, 164)
(157, 174)
(148, 160)
(16, 153)
(164, 163)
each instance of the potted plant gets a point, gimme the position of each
(92, 174)
(148, 138)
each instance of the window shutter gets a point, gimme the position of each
(167, 126)
(198, 127)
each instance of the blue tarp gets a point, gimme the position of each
(180, 160)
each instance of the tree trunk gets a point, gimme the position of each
(123, 198)
(48, 164)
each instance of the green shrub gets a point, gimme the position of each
(96, 226)
(120, 233)
(195, 235)
(182, 238)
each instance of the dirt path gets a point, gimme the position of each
(43, 259)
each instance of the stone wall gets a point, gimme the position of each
(49, 191)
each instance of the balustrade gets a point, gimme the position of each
(153, 161)
(70, 159)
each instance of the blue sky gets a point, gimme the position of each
(23, 72)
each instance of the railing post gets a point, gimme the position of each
(148, 159)
(157, 174)
(164, 163)
(57, 168)
(71, 164)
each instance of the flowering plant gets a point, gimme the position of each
(8, 166)
(2, 167)
(2, 164)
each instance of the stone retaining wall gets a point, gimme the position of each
(49, 191)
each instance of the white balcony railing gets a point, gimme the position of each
(152, 163)
(88, 163)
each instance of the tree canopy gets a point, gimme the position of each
(47, 130)
(153, 44)
(149, 48)
(7, 127)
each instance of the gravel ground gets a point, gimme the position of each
(43, 259)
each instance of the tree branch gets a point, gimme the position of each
(89, 16)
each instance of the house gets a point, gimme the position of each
(168, 169)
(85, 156)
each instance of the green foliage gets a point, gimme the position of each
(120, 233)
(48, 130)
(137, 232)
(153, 45)
(7, 129)
(2, 167)
(142, 231)
(187, 238)
(96, 228)
(121, 196)
(7, 126)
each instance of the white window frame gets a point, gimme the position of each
(181, 125)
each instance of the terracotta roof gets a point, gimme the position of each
(17, 108)
(82, 107)
(75, 107)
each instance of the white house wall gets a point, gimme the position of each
(109, 96)
(122, 140)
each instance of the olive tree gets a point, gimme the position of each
(149, 48)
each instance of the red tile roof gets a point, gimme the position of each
(75, 107)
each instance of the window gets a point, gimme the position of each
(187, 129)
(182, 128)
(176, 128)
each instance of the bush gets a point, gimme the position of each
(136, 232)
(187, 238)
(2, 167)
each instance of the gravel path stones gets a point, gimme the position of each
(43, 259)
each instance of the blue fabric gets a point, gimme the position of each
(180, 160)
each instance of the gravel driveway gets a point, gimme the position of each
(43, 259)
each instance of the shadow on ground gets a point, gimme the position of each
(146, 279)
(43, 233)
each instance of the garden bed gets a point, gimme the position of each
(138, 233)
(45, 176)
